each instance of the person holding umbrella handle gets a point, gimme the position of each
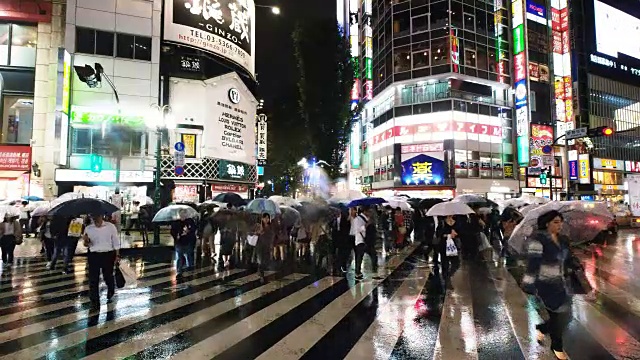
(101, 238)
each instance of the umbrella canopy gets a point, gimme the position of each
(450, 208)
(347, 196)
(367, 201)
(66, 197)
(475, 200)
(147, 201)
(403, 205)
(82, 206)
(8, 210)
(261, 206)
(187, 203)
(284, 200)
(32, 198)
(230, 198)
(40, 210)
(583, 221)
(174, 213)
(524, 210)
(290, 216)
(429, 203)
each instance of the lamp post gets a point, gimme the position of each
(158, 121)
(275, 10)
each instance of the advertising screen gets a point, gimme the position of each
(223, 27)
(423, 170)
(616, 39)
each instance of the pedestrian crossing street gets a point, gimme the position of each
(399, 314)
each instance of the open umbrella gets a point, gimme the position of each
(32, 198)
(230, 198)
(429, 203)
(8, 210)
(284, 200)
(395, 203)
(175, 212)
(475, 200)
(40, 210)
(66, 197)
(583, 221)
(82, 206)
(261, 206)
(450, 208)
(290, 216)
(367, 201)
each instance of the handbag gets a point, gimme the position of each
(19, 240)
(120, 282)
(252, 240)
(451, 248)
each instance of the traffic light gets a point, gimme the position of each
(96, 163)
(543, 177)
(600, 131)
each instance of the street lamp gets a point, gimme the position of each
(275, 10)
(158, 121)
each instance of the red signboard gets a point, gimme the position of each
(421, 148)
(452, 126)
(555, 19)
(632, 166)
(229, 188)
(565, 42)
(25, 10)
(564, 19)
(520, 66)
(15, 157)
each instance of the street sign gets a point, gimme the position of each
(179, 146)
(547, 149)
(576, 133)
(178, 158)
(179, 170)
(547, 160)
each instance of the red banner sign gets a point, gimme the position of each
(421, 148)
(229, 188)
(25, 10)
(15, 158)
(452, 126)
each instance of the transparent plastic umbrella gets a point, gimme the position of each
(583, 221)
(284, 200)
(450, 208)
(261, 206)
(8, 210)
(175, 212)
(403, 205)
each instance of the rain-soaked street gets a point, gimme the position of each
(298, 314)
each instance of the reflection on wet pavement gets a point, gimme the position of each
(402, 312)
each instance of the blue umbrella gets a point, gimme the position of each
(32, 198)
(368, 201)
(261, 206)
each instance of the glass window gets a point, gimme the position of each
(143, 48)
(456, 15)
(125, 46)
(470, 22)
(17, 120)
(85, 40)
(470, 58)
(439, 52)
(461, 163)
(104, 43)
(419, 24)
(81, 141)
(481, 56)
(481, 21)
(532, 101)
(23, 45)
(439, 15)
(402, 61)
(420, 59)
(401, 24)
(4, 44)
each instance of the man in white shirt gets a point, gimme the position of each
(365, 241)
(103, 242)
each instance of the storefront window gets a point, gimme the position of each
(86, 140)
(608, 178)
(23, 45)
(17, 120)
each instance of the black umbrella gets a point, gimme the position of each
(230, 198)
(428, 203)
(83, 206)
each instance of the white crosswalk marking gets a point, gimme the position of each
(231, 315)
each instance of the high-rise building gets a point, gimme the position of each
(435, 80)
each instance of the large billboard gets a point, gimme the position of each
(223, 27)
(616, 39)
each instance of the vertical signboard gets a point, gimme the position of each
(520, 81)
(355, 145)
(573, 165)
(584, 169)
(355, 51)
(497, 21)
(368, 51)
(541, 136)
(634, 194)
(455, 49)
(561, 49)
(262, 140)
(63, 91)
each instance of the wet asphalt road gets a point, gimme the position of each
(400, 313)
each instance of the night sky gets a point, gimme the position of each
(275, 63)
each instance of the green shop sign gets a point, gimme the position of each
(233, 170)
(93, 118)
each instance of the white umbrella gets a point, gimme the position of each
(528, 208)
(583, 221)
(65, 197)
(347, 196)
(147, 201)
(403, 205)
(173, 213)
(8, 210)
(41, 210)
(284, 200)
(450, 208)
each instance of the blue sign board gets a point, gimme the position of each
(179, 146)
(538, 12)
(521, 93)
(573, 170)
(179, 170)
(423, 170)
